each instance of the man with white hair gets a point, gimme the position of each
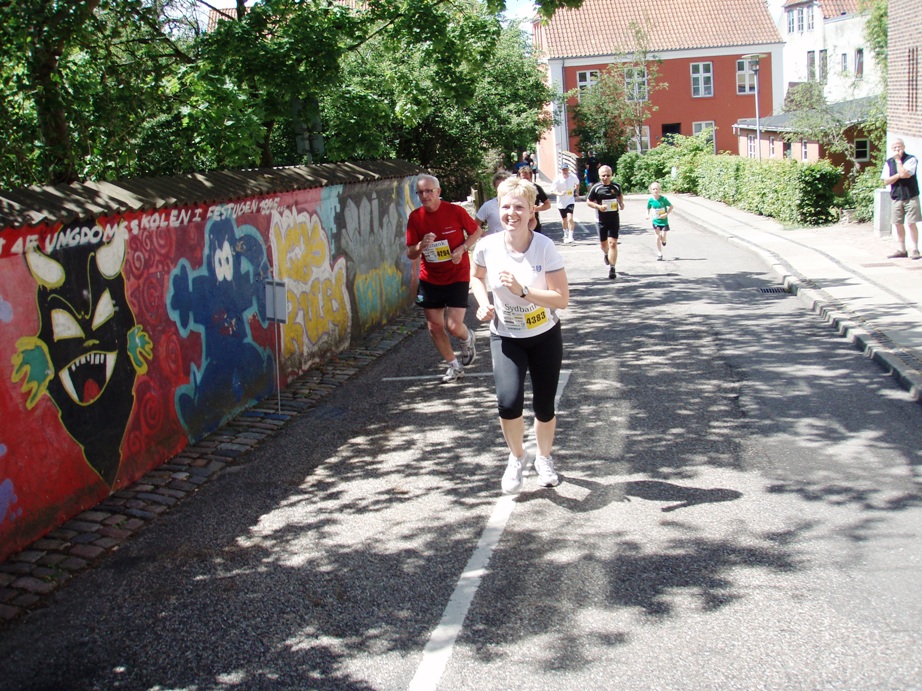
(441, 233)
(900, 174)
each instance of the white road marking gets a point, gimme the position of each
(441, 642)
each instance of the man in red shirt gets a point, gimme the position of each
(442, 233)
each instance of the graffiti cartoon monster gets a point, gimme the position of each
(217, 300)
(89, 348)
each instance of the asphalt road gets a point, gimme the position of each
(740, 508)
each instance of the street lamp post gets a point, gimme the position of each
(753, 59)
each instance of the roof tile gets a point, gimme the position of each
(606, 27)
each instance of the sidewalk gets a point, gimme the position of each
(842, 273)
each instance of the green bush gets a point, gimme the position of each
(718, 178)
(861, 195)
(626, 173)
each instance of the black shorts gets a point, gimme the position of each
(437, 297)
(566, 211)
(610, 228)
(662, 228)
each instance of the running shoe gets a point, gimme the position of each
(915, 255)
(512, 478)
(468, 349)
(899, 254)
(453, 374)
(605, 258)
(547, 476)
(611, 273)
(659, 257)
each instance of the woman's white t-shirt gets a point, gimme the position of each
(517, 317)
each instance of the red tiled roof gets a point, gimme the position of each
(835, 8)
(604, 27)
(831, 8)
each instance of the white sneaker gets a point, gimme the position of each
(512, 478)
(547, 476)
(468, 349)
(659, 257)
(453, 374)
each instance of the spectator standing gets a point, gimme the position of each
(659, 207)
(529, 284)
(565, 186)
(900, 173)
(607, 199)
(542, 202)
(442, 233)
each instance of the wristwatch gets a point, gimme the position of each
(524, 292)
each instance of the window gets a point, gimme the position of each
(771, 147)
(790, 21)
(912, 81)
(788, 152)
(800, 19)
(811, 65)
(699, 127)
(745, 78)
(702, 79)
(859, 63)
(845, 62)
(810, 18)
(803, 149)
(751, 145)
(635, 83)
(640, 142)
(821, 66)
(862, 150)
(586, 78)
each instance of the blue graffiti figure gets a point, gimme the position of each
(217, 300)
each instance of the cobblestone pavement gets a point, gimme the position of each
(30, 577)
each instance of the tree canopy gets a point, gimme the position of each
(106, 89)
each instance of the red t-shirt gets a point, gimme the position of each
(449, 223)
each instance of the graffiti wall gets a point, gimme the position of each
(124, 338)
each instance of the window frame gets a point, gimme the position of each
(866, 156)
(747, 76)
(790, 21)
(585, 80)
(631, 82)
(811, 65)
(700, 125)
(704, 80)
(804, 156)
(751, 145)
(800, 20)
(771, 147)
(859, 63)
(644, 140)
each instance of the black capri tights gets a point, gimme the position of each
(541, 356)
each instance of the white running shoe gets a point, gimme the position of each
(659, 257)
(512, 478)
(453, 374)
(547, 476)
(468, 349)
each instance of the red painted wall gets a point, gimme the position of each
(125, 337)
(675, 103)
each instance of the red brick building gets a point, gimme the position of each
(904, 109)
(700, 46)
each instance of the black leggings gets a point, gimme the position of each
(541, 356)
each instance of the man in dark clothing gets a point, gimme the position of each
(606, 198)
(542, 203)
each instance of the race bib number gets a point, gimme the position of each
(661, 213)
(438, 251)
(517, 318)
(611, 205)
